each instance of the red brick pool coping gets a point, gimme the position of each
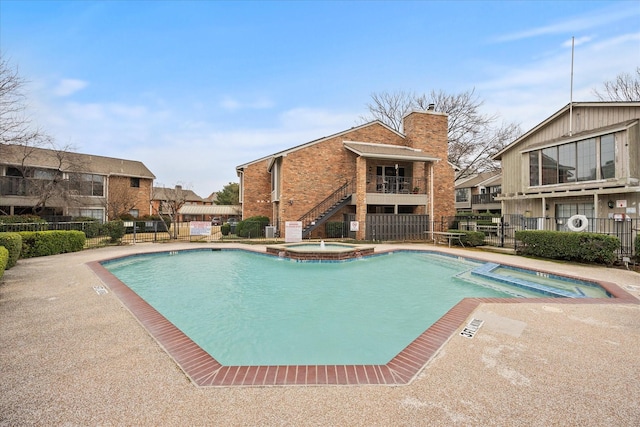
(205, 371)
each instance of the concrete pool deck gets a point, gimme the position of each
(73, 355)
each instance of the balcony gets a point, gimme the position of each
(29, 187)
(485, 201)
(391, 190)
(395, 185)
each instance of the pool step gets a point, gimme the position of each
(486, 271)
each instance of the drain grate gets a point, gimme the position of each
(100, 290)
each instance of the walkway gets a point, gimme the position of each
(71, 354)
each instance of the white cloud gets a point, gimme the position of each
(232, 104)
(68, 87)
(577, 42)
(177, 145)
(603, 18)
(532, 91)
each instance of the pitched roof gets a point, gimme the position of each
(161, 193)
(386, 151)
(557, 114)
(316, 141)
(483, 178)
(67, 161)
(210, 210)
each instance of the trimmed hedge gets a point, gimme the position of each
(115, 230)
(570, 246)
(252, 227)
(44, 243)
(21, 219)
(470, 238)
(13, 243)
(4, 259)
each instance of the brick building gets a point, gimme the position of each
(352, 175)
(58, 184)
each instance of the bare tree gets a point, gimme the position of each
(43, 175)
(15, 126)
(625, 87)
(121, 200)
(171, 200)
(473, 136)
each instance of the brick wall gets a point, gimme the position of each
(121, 196)
(256, 191)
(312, 173)
(427, 131)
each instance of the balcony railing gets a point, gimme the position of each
(396, 184)
(17, 186)
(483, 199)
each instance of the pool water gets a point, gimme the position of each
(245, 308)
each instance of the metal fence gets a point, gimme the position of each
(498, 231)
(501, 231)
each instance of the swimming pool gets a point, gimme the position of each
(249, 309)
(205, 370)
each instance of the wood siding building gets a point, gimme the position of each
(54, 183)
(584, 159)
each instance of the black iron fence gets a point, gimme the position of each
(498, 231)
(501, 231)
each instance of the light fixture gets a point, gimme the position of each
(610, 204)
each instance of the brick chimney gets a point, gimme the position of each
(427, 131)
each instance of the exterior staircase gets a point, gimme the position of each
(326, 208)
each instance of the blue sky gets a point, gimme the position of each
(194, 89)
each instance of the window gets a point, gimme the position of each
(135, 182)
(573, 162)
(567, 163)
(586, 159)
(48, 174)
(134, 213)
(90, 213)
(607, 156)
(462, 195)
(550, 166)
(534, 168)
(567, 210)
(87, 184)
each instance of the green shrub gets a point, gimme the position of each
(15, 223)
(470, 238)
(4, 259)
(570, 246)
(44, 243)
(115, 230)
(92, 229)
(252, 227)
(225, 229)
(21, 219)
(335, 229)
(13, 243)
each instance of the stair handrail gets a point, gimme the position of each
(345, 190)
